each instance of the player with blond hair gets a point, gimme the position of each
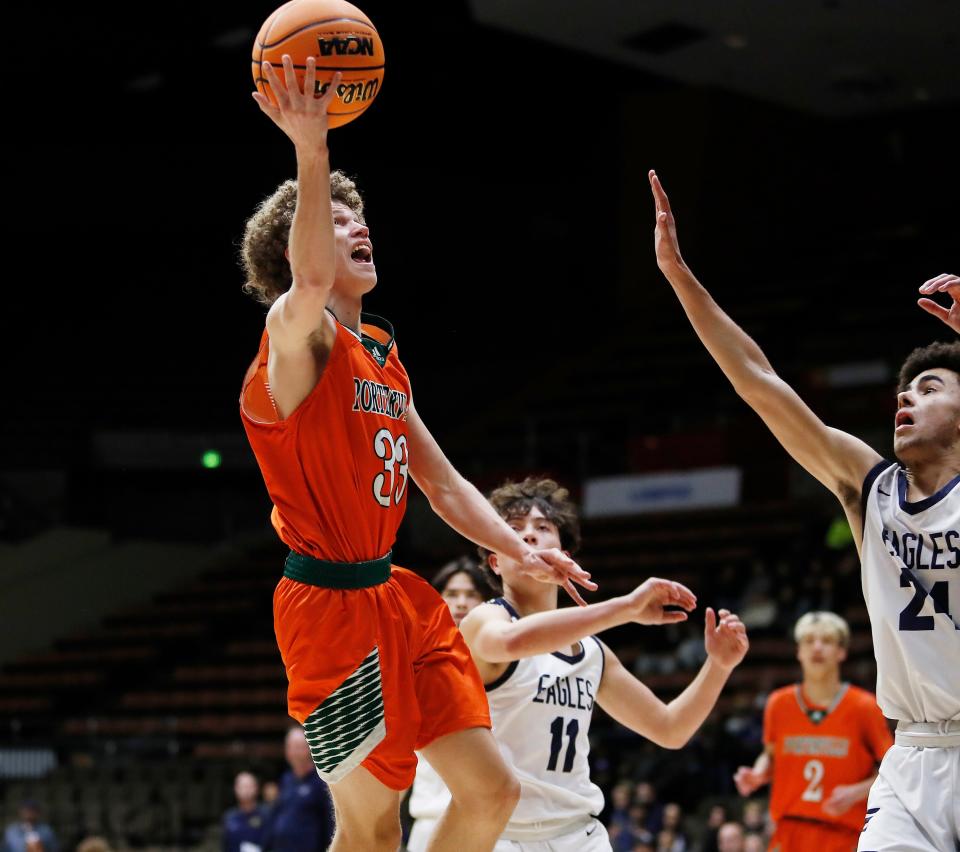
(823, 740)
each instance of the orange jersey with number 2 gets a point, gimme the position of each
(816, 749)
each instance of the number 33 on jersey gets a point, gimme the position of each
(338, 465)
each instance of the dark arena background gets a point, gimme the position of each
(810, 149)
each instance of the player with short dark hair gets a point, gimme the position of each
(905, 516)
(544, 671)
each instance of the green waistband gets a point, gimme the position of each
(337, 575)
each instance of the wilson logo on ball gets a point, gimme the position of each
(362, 90)
(349, 46)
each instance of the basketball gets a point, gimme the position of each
(339, 36)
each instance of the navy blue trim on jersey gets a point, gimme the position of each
(868, 481)
(503, 602)
(927, 502)
(576, 658)
(500, 681)
(603, 657)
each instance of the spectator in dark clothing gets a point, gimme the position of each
(301, 819)
(245, 826)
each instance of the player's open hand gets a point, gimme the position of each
(747, 779)
(843, 797)
(949, 284)
(647, 602)
(726, 640)
(299, 114)
(554, 566)
(665, 234)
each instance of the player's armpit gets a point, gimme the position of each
(298, 321)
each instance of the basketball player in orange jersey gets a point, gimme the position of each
(376, 666)
(823, 740)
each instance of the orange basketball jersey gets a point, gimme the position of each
(336, 469)
(819, 748)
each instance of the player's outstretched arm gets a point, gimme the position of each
(949, 284)
(466, 510)
(494, 638)
(671, 725)
(750, 778)
(840, 461)
(298, 315)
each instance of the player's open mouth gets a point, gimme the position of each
(903, 418)
(362, 253)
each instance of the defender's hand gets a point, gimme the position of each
(665, 235)
(646, 602)
(747, 779)
(554, 566)
(949, 284)
(299, 114)
(726, 641)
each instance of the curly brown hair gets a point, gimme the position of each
(945, 355)
(267, 233)
(516, 499)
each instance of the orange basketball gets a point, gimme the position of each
(340, 36)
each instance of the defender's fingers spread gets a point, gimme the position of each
(710, 618)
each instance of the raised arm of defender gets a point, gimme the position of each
(632, 704)
(840, 461)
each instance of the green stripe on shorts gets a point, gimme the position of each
(349, 724)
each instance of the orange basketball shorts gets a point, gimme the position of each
(375, 673)
(807, 835)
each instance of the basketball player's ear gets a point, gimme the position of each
(842, 655)
(493, 563)
(286, 253)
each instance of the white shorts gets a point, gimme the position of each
(914, 805)
(420, 834)
(591, 837)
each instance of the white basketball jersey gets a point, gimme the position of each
(429, 796)
(911, 583)
(541, 708)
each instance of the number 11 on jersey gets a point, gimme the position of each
(556, 743)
